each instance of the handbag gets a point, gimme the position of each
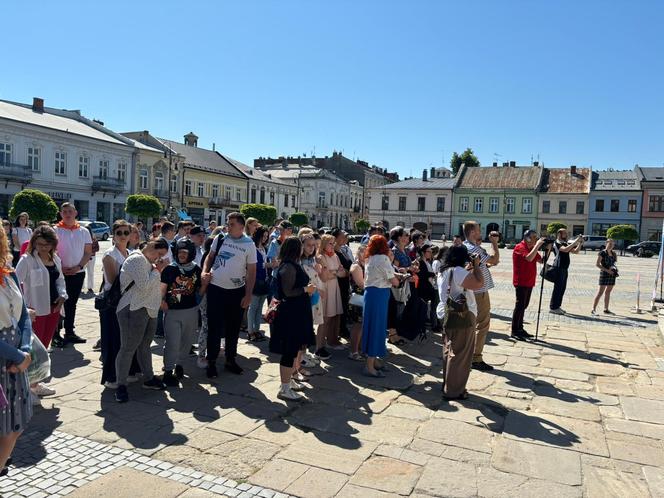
(401, 293)
(550, 273)
(457, 314)
(356, 300)
(40, 368)
(272, 311)
(110, 298)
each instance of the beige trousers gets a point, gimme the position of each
(483, 322)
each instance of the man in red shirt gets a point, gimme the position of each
(524, 267)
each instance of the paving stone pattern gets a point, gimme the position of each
(579, 413)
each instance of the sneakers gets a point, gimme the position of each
(97, 346)
(169, 379)
(299, 377)
(309, 361)
(233, 367)
(295, 385)
(287, 394)
(482, 366)
(323, 354)
(609, 312)
(211, 371)
(155, 384)
(179, 372)
(121, 395)
(110, 385)
(594, 313)
(192, 351)
(201, 362)
(72, 338)
(521, 335)
(557, 311)
(43, 390)
(58, 342)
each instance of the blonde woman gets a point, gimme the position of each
(331, 271)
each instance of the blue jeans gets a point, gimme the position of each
(559, 287)
(254, 314)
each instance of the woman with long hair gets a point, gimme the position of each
(21, 233)
(261, 286)
(457, 280)
(312, 268)
(137, 314)
(293, 329)
(354, 310)
(331, 270)
(606, 262)
(112, 260)
(15, 337)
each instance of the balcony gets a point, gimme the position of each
(223, 202)
(356, 209)
(106, 184)
(17, 173)
(161, 193)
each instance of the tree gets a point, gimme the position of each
(262, 212)
(143, 206)
(362, 225)
(298, 219)
(38, 205)
(554, 226)
(468, 158)
(624, 233)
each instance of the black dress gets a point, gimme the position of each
(608, 261)
(293, 326)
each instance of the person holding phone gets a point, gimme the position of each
(562, 249)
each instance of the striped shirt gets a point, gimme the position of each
(484, 256)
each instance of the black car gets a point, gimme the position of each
(646, 245)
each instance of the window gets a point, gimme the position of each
(187, 188)
(174, 183)
(103, 168)
(656, 203)
(615, 205)
(200, 186)
(292, 198)
(421, 203)
(238, 194)
(580, 207)
(601, 228)
(84, 168)
(543, 228)
(262, 201)
(386, 202)
(272, 198)
(546, 206)
(463, 204)
(527, 205)
(562, 207)
(509, 205)
(215, 190)
(60, 162)
(285, 200)
(402, 203)
(159, 181)
(5, 154)
(34, 158)
(321, 199)
(577, 230)
(122, 172)
(478, 204)
(440, 204)
(599, 205)
(493, 204)
(631, 206)
(253, 195)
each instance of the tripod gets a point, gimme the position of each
(539, 306)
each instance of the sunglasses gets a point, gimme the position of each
(123, 232)
(5, 224)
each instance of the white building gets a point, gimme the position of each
(66, 156)
(425, 203)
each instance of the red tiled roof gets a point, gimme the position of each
(519, 177)
(562, 181)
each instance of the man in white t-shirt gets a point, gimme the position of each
(74, 250)
(232, 266)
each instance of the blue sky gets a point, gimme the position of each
(399, 84)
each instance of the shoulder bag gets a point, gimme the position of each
(457, 314)
(550, 272)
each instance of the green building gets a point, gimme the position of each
(498, 198)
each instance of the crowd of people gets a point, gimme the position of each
(201, 288)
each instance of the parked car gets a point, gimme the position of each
(100, 229)
(355, 237)
(643, 246)
(594, 242)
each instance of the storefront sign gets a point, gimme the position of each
(59, 196)
(196, 202)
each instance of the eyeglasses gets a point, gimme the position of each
(122, 232)
(5, 224)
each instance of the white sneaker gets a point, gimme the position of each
(299, 377)
(34, 399)
(287, 394)
(295, 385)
(558, 311)
(201, 362)
(42, 389)
(110, 385)
(310, 362)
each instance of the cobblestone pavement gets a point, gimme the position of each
(579, 413)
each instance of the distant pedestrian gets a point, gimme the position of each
(21, 233)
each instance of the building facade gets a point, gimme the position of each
(425, 203)
(564, 198)
(652, 211)
(615, 199)
(498, 198)
(66, 156)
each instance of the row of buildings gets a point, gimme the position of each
(76, 159)
(513, 199)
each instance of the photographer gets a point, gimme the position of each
(606, 262)
(562, 249)
(524, 258)
(471, 230)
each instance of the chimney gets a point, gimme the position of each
(572, 170)
(37, 104)
(536, 164)
(433, 172)
(512, 164)
(191, 139)
(214, 146)
(495, 164)
(505, 165)
(424, 175)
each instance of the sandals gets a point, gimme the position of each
(398, 342)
